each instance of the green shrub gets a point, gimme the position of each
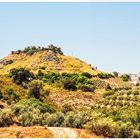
(9, 95)
(86, 88)
(31, 52)
(31, 112)
(104, 75)
(108, 93)
(135, 92)
(69, 85)
(6, 117)
(135, 134)
(125, 130)
(21, 76)
(31, 117)
(125, 77)
(66, 108)
(26, 104)
(1, 95)
(35, 89)
(104, 126)
(55, 120)
(75, 120)
(86, 74)
(9, 62)
(108, 87)
(115, 74)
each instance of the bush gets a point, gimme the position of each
(10, 95)
(55, 120)
(26, 104)
(9, 62)
(104, 126)
(108, 93)
(31, 52)
(86, 74)
(125, 77)
(104, 75)
(31, 112)
(31, 117)
(108, 87)
(125, 130)
(6, 118)
(86, 88)
(115, 74)
(51, 77)
(75, 120)
(135, 92)
(21, 76)
(66, 108)
(135, 134)
(69, 85)
(35, 88)
(1, 95)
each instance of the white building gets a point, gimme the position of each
(135, 78)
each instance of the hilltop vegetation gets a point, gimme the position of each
(41, 86)
(46, 59)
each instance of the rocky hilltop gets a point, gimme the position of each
(47, 59)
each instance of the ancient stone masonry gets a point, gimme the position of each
(50, 48)
(55, 49)
(51, 57)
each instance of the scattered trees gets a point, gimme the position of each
(125, 77)
(105, 75)
(35, 89)
(21, 76)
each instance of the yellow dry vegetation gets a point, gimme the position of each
(25, 132)
(76, 99)
(118, 83)
(7, 83)
(36, 61)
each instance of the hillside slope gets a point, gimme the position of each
(47, 60)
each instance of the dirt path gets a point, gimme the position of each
(44, 132)
(59, 132)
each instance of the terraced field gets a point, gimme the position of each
(99, 83)
(118, 83)
(123, 98)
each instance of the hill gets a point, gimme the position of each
(43, 87)
(47, 59)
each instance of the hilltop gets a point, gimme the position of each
(46, 59)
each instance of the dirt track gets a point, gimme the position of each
(44, 132)
(59, 132)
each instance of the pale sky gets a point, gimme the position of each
(106, 35)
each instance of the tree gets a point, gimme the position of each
(35, 89)
(115, 74)
(21, 76)
(125, 77)
(86, 74)
(69, 85)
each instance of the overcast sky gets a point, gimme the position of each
(106, 35)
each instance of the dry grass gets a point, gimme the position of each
(118, 83)
(33, 62)
(77, 99)
(87, 134)
(42, 132)
(25, 132)
(6, 82)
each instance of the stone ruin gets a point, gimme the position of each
(50, 48)
(55, 49)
